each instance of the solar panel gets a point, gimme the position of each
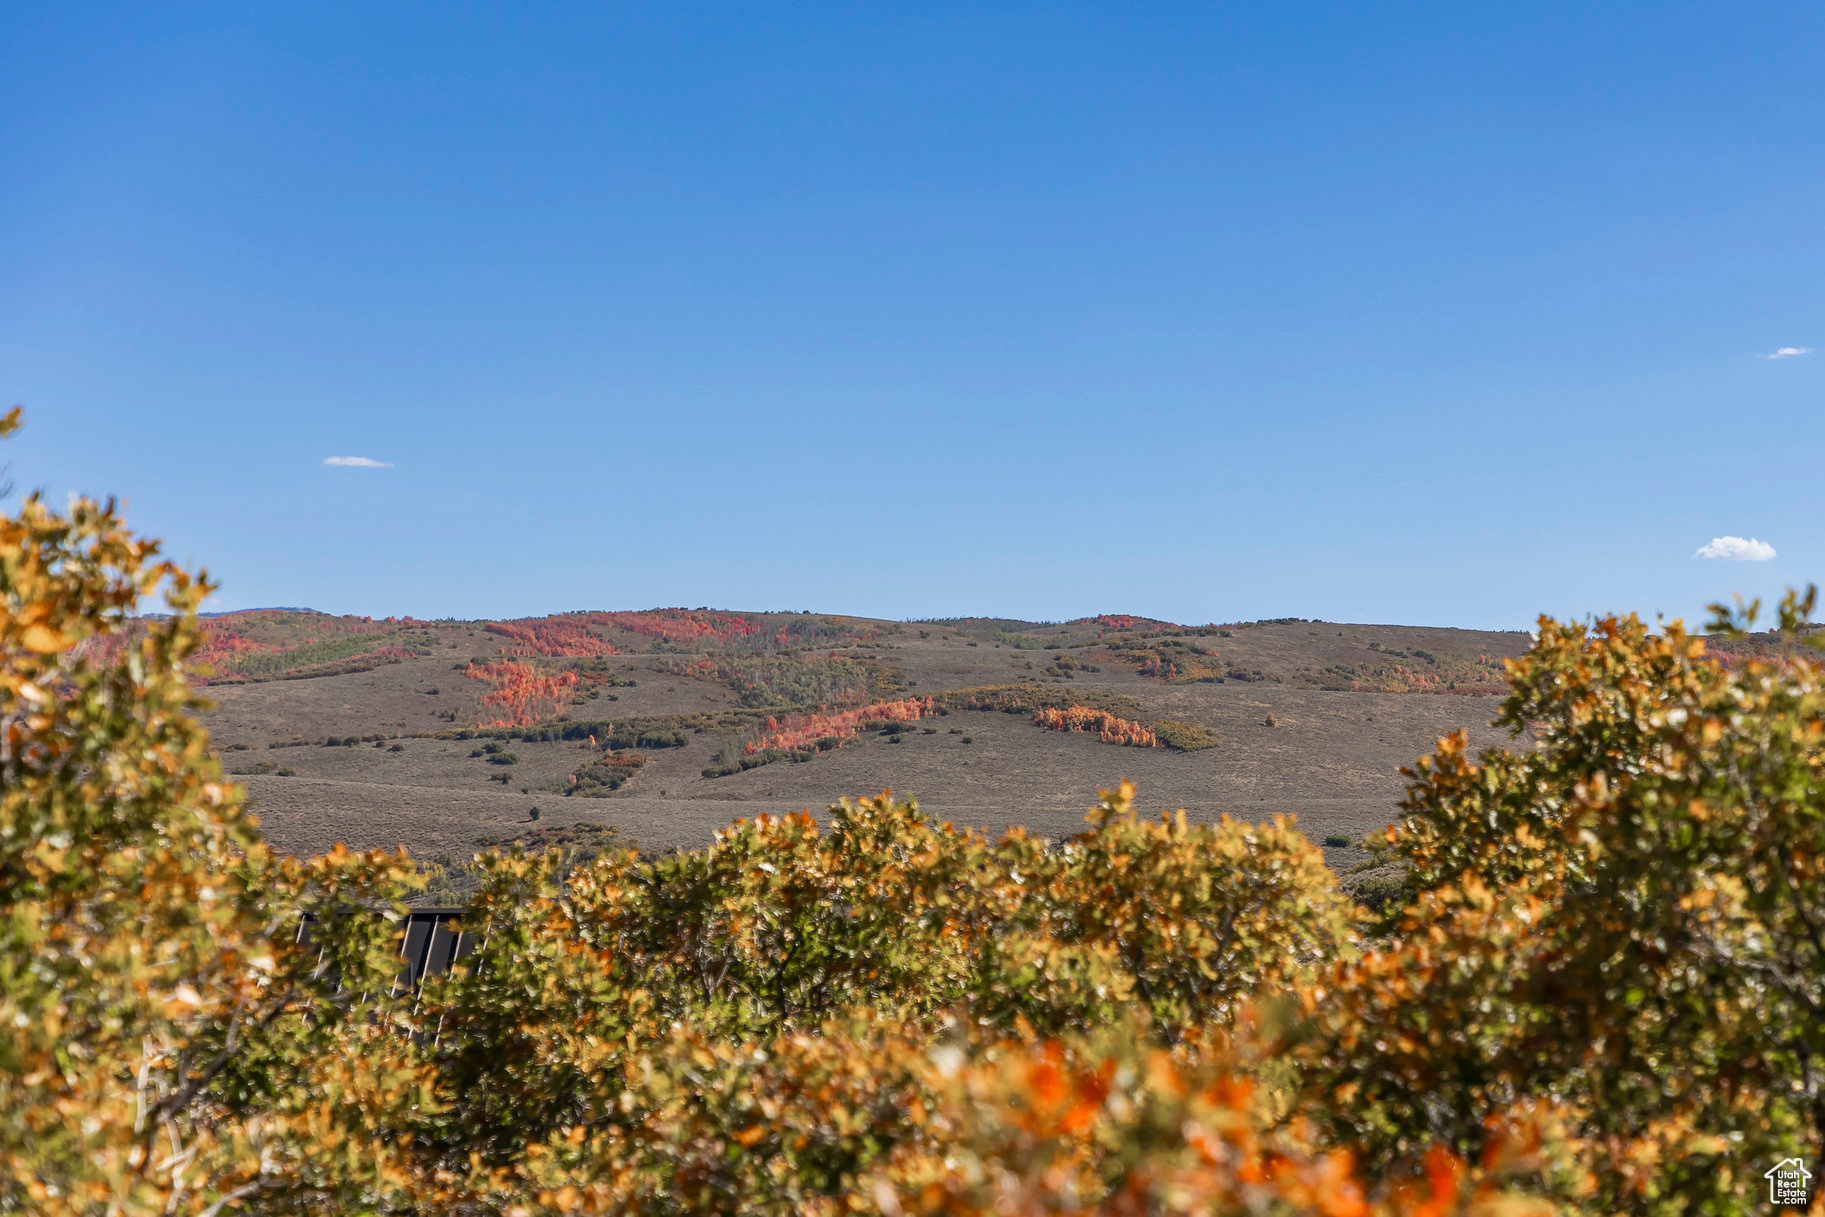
(430, 943)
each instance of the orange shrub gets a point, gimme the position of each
(804, 731)
(521, 695)
(679, 626)
(1125, 621)
(554, 637)
(1107, 727)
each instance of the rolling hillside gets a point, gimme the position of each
(667, 724)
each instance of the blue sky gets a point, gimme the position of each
(1437, 314)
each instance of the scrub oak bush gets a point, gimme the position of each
(168, 1046)
(520, 695)
(1624, 921)
(1595, 989)
(605, 776)
(1105, 726)
(806, 731)
(1184, 737)
(561, 637)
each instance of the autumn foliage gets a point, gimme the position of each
(680, 627)
(1126, 621)
(552, 637)
(1100, 723)
(803, 731)
(520, 694)
(168, 1047)
(268, 644)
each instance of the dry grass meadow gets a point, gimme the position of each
(1313, 719)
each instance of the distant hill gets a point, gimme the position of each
(668, 723)
(237, 612)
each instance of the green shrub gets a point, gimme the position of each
(1028, 698)
(1182, 736)
(1377, 888)
(267, 664)
(605, 776)
(627, 733)
(766, 756)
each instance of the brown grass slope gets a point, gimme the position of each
(1311, 718)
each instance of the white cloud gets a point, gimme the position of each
(1787, 352)
(357, 462)
(1736, 549)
